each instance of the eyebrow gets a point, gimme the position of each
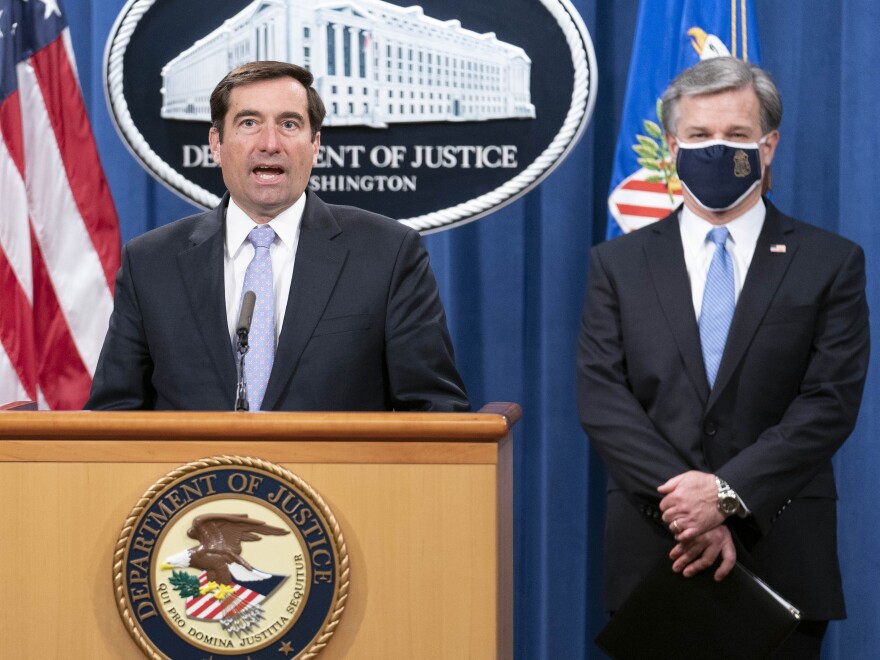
(256, 113)
(727, 129)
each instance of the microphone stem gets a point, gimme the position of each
(241, 402)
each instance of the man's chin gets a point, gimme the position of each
(263, 209)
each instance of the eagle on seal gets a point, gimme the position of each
(219, 551)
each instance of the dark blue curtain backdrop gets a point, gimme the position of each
(513, 284)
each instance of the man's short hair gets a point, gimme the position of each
(265, 70)
(723, 74)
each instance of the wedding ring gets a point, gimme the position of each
(676, 527)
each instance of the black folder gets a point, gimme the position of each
(672, 617)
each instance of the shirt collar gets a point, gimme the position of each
(744, 230)
(286, 225)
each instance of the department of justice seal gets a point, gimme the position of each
(232, 557)
(438, 113)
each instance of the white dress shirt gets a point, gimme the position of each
(239, 252)
(698, 251)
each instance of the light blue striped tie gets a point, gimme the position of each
(261, 339)
(718, 304)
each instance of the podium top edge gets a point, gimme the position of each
(492, 422)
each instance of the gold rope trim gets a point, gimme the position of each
(733, 27)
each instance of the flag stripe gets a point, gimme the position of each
(14, 230)
(203, 607)
(643, 211)
(645, 186)
(639, 198)
(16, 335)
(244, 598)
(10, 130)
(208, 607)
(18, 370)
(195, 607)
(66, 246)
(64, 379)
(79, 154)
(11, 388)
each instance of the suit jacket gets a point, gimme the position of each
(364, 327)
(786, 396)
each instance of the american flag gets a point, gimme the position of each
(59, 234)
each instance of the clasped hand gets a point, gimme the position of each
(690, 510)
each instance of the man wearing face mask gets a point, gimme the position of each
(721, 362)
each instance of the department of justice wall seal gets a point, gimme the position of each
(231, 557)
(438, 113)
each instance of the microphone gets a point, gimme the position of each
(248, 301)
(245, 316)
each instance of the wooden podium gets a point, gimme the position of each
(424, 501)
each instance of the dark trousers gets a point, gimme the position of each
(805, 643)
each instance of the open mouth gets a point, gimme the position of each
(267, 173)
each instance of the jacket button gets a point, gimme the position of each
(710, 428)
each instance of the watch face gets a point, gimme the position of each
(728, 504)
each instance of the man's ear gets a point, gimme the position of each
(317, 145)
(214, 140)
(768, 148)
(673, 145)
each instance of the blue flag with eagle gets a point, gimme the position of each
(671, 36)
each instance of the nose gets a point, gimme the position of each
(269, 140)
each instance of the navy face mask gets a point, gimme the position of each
(719, 174)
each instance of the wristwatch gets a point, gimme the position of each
(728, 502)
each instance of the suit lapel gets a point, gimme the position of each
(317, 267)
(202, 268)
(665, 257)
(764, 277)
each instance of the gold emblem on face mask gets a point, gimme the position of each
(741, 165)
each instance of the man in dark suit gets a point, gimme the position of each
(352, 318)
(719, 372)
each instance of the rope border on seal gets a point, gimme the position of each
(114, 54)
(342, 570)
(582, 102)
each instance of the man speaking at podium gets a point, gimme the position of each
(722, 357)
(347, 315)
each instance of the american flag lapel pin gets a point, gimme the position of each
(777, 248)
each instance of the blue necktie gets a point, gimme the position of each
(261, 339)
(718, 304)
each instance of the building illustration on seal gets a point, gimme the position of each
(375, 63)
